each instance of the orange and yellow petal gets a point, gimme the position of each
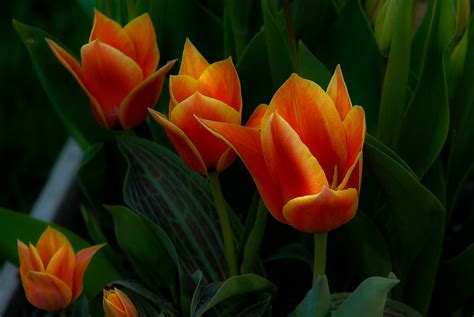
(134, 108)
(192, 63)
(46, 291)
(83, 258)
(62, 265)
(141, 32)
(110, 76)
(183, 145)
(221, 82)
(110, 32)
(29, 259)
(49, 243)
(290, 161)
(255, 119)
(116, 304)
(181, 87)
(247, 144)
(311, 113)
(183, 116)
(355, 129)
(337, 89)
(322, 212)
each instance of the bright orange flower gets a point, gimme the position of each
(117, 304)
(50, 272)
(118, 70)
(306, 154)
(209, 92)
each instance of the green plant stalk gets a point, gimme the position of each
(226, 228)
(320, 246)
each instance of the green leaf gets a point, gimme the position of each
(317, 302)
(278, 50)
(254, 241)
(360, 63)
(15, 225)
(208, 296)
(67, 97)
(81, 307)
(435, 181)
(309, 67)
(145, 245)
(368, 299)
(238, 12)
(160, 186)
(421, 141)
(394, 90)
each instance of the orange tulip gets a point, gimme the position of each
(210, 92)
(118, 70)
(306, 154)
(117, 304)
(51, 273)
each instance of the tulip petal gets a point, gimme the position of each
(181, 87)
(83, 258)
(134, 108)
(311, 113)
(141, 32)
(49, 243)
(353, 177)
(29, 261)
(71, 64)
(62, 265)
(290, 161)
(221, 82)
(126, 303)
(210, 147)
(192, 62)
(110, 32)
(46, 291)
(35, 258)
(255, 119)
(247, 144)
(337, 89)
(109, 75)
(322, 212)
(183, 145)
(113, 306)
(355, 129)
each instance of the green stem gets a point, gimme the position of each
(225, 223)
(320, 244)
(63, 313)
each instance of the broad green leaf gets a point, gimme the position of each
(435, 181)
(15, 225)
(88, 7)
(421, 140)
(278, 50)
(317, 302)
(161, 187)
(350, 42)
(81, 307)
(208, 296)
(368, 299)
(64, 92)
(147, 247)
(420, 42)
(238, 12)
(395, 83)
(294, 251)
(309, 67)
(254, 241)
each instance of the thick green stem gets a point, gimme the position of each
(225, 223)
(320, 244)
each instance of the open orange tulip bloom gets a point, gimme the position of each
(118, 70)
(209, 92)
(51, 273)
(117, 304)
(306, 154)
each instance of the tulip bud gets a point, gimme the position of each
(372, 9)
(117, 304)
(463, 11)
(385, 24)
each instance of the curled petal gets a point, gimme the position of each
(46, 291)
(247, 144)
(62, 265)
(355, 129)
(255, 119)
(110, 32)
(29, 259)
(183, 116)
(49, 243)
(83, 258)
(290, 161)
(192, 63)
(181, 87)
(221, 82)
(141, 32)
(226, 159)
(183, 145)
(337, 89)
(134, 108)
(322, 212)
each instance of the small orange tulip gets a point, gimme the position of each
(118, 70)
(50, 272)
(209, 92)
(306, 154)
(117, 304)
